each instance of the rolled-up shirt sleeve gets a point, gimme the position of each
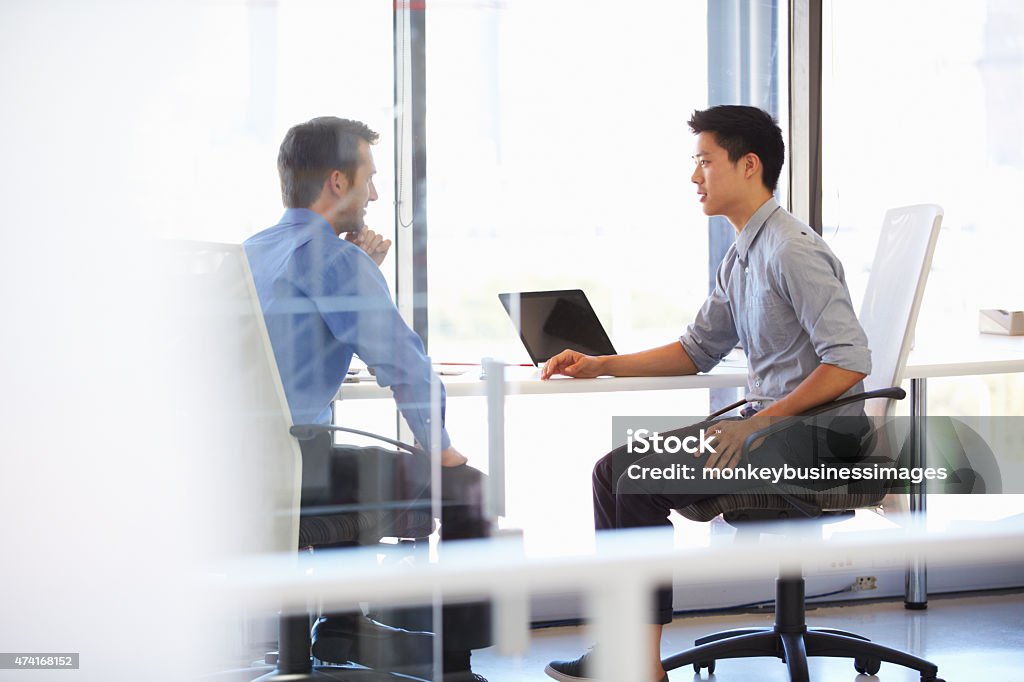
(812, 279)
(712, 334)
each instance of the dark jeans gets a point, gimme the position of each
(622, 503)
(390, 489)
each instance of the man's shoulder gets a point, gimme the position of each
(265, 236)
(784, 226)
(789, 237)
(307, 241)
(282, 236)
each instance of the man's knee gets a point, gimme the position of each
(602, 474)
(463, 483)
(462, 511)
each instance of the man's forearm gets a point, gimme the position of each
(668, 360)
(823, 385)
(414, 404)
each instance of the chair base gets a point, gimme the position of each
(792, 641)
(793, 648)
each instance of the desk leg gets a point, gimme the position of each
(916, 592)
(494, 376)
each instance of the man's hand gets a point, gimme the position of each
(729, 437)
(452, 458)
(375, 246)
(573, 364)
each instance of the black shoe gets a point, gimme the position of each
(465, 676)
(570, 671)
(576, 670)
(356, 638)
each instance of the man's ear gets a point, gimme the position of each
(337, 183)
(751, 165)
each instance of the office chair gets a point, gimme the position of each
(292, 661)
(258, 445)
(888, 315)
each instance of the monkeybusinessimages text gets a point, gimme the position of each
(645, 441)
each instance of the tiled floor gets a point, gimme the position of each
(971, 638)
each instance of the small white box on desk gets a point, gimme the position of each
(998, 321)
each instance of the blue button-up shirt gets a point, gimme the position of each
(324, 300)
(781, 294)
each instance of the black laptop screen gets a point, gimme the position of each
(551, 321)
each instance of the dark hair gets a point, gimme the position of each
(742, 130)
(312, 150)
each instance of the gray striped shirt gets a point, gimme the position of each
(781, 294)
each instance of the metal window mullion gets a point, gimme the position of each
(410, 251)
(805, 111)
(411, 164)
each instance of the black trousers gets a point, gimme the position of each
(391, 490)
(624, 503)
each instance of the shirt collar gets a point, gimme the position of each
(753, 227)
(305, 217)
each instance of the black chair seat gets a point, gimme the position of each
(359, 527)
(752, 505)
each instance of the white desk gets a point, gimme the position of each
(525, 381)
(967, 356)
(972, 355)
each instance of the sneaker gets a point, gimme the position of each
(577, 670)
(356, 638)
(570, 671)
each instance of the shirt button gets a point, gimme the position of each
(757, 384)
(746, 271)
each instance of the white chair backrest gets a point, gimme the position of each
(894, 293)
(252, 455)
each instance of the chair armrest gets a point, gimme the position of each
(311, 431)
(727, 408)
(893, 393)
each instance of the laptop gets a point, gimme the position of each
(551, 321)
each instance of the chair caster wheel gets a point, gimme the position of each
(867, 666)
(710, 665)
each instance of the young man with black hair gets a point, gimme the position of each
(780, 293)
(325, 299)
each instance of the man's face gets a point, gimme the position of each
(720, 182)
(350, 214)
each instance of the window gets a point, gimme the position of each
(929, 119)
(259, 69)
(559, 158)
(934, 117)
